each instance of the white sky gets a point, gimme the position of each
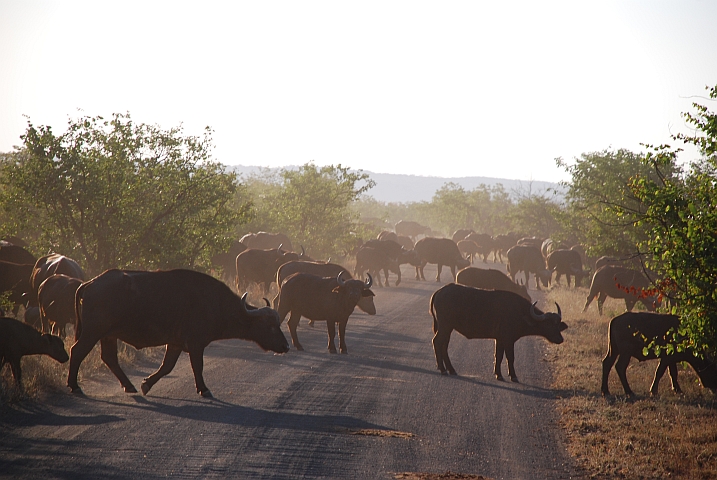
(457, 88)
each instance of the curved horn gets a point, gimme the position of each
(329, 260)
(278, 249)
(339, 279)
(534, 315)
(303, 252)
(243, 303)
(369, 280)
(267, 302)
(560, 314)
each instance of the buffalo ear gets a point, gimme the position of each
(563, 326)
(367, 293)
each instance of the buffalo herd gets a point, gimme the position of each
(186, 310)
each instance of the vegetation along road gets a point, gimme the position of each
(378, 412)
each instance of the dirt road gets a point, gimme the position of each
(382, 409)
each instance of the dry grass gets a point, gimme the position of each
(41, 375)
(670, 436)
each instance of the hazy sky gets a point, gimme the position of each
(457, 88)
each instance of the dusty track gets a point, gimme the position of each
(380, 410)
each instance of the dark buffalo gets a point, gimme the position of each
(50, 265)
(630, 333)
(607, 260)
(266, 241)
(568, 263)
(322, 270)
(469, 249)
(56, 297)
(319, 298)
(15, 278)
(182, 309)
(391, 248)
(531, 241)
(498, 314)
(260, 266)
(528, 259)
(503, 243)
(16, 254)
(411, 229)
(460, 234)
(18, 340)
(490, 279)
(386, 235)
(226, 261)
(620, 282)
(374, 260)
(441, 251)
(32, 317)
(405, 241)
(485, 243)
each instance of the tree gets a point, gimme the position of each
(312, 205)
(681, 217)
(112, 193)
(601, 209)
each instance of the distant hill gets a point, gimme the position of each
(414, 188)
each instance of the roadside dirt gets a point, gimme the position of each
(382, 411)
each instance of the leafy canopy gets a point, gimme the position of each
(112, 193)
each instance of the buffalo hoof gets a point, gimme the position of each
(514, 379)
(344, 351)
(76, 391)
(299, 348)
(499, 378)
(332, 350)
(130, 389)
(443, 372)
(452, 372)
(145, 387)
(206, 394)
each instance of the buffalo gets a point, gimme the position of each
(469, 249)
(628, 336)
(373, 260)
(406, 242)
(460, 234)
(260, 266)
(56, 298)
(485, 244)
(387, 235)
(620, 282)
(226, 261)
(528, 259)
(50, 265)
(15, 278)
(328, 269)
(319, 298)
(497, 314)
(441, 251)
(568, 263)
(16, 254)
(18, 339)
(490, 279)
(182, 309)
(411, 229)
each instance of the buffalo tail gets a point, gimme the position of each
(78, 311)
(433, 314)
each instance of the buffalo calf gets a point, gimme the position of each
(18, 339)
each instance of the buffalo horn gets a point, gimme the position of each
(369, 280)
(243, 302)
(534, 315)
(339, 279)
(560, 315)
(279, 248)
(267, 302)
(303, 252)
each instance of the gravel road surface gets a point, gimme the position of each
(377, 412)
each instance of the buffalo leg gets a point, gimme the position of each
(293, 323)
(331, 331)
(171, 355)
(673, 378)
(16, 371)
(196, 358)
(78, 352)
(607, 364)
(499, 350)
(438, 275)
(510, 356)
(109, 356)
(588, 301)
(398, 274)
(601, 301)
(621, 367)
(453, 273)
(630, 303)
(342, 337)
(441, 340)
